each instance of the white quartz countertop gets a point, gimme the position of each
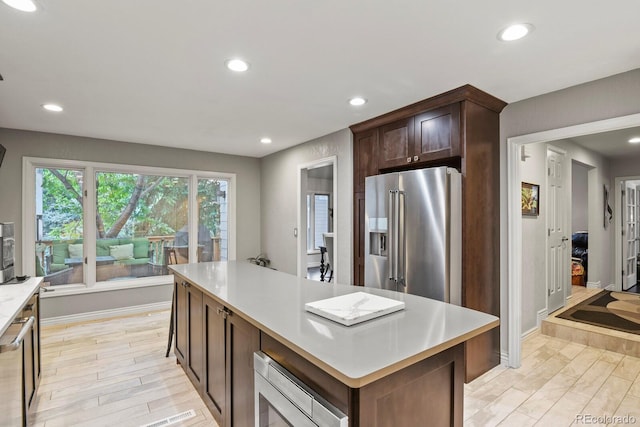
(356, 355)
(13, 298)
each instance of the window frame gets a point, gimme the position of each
(89, 169)
(311, 221)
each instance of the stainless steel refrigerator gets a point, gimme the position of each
(413, 240)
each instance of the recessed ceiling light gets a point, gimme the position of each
(23, 5)
(237, 65)
(635, 140)
(52, 107)
(357, 101)
(265, 140)
(515, 32)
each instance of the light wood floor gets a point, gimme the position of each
(114, 372)
(559, 381)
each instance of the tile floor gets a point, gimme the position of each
(563, 381)
(113, 372)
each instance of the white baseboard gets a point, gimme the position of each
(593, 285)
(541, 315)
(611, 287)
(504, 358)
(104, 314)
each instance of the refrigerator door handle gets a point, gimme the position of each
(401, 244)
(396, 235)
(392, 240)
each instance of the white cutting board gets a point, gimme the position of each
(354, 308)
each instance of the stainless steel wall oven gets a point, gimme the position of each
(7, 255)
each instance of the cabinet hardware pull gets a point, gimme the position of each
(408, 159)
(416, 158)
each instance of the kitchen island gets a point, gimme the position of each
(398, 369)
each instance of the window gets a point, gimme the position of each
(318, 220)
(108, 224)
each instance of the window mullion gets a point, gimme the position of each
(193, 218)
(89, 231)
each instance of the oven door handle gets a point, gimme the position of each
(17, 342)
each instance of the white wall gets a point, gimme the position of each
(533, 171)
(579, 197)
(279, 201)
(610, 97)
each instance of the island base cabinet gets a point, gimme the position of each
(215, 348)
(428, 392)
(230, 344)
(188, 325)
(215, 388)
(242, 340)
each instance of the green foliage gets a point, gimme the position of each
(61, 209)
(161, 206)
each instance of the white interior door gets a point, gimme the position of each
(558, 271)
(629, 236)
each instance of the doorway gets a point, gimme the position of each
(580, 217)
(513, 251)
(628, 231)
(317, 210)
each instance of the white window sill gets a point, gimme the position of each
(76, 289)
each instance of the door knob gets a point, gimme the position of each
(564, 239)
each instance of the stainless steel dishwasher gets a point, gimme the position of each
(11, 393)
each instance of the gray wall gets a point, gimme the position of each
(625, 166)
(38, 144)
(579, 197)
(279, 201)
(614, 96)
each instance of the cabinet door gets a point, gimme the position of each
(37, 364)
(214, 387)
(437, 134)
(395, 144)
(243, 339)
(31, 353)
(195, 338)
(180, 320)
(365, 145)
(28, 373)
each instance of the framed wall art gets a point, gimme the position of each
(530, 199)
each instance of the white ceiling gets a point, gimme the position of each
(613, 144)
(152, 71)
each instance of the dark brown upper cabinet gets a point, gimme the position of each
(396, 143)
(437, 134)
(428, 136)
(365, 151)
